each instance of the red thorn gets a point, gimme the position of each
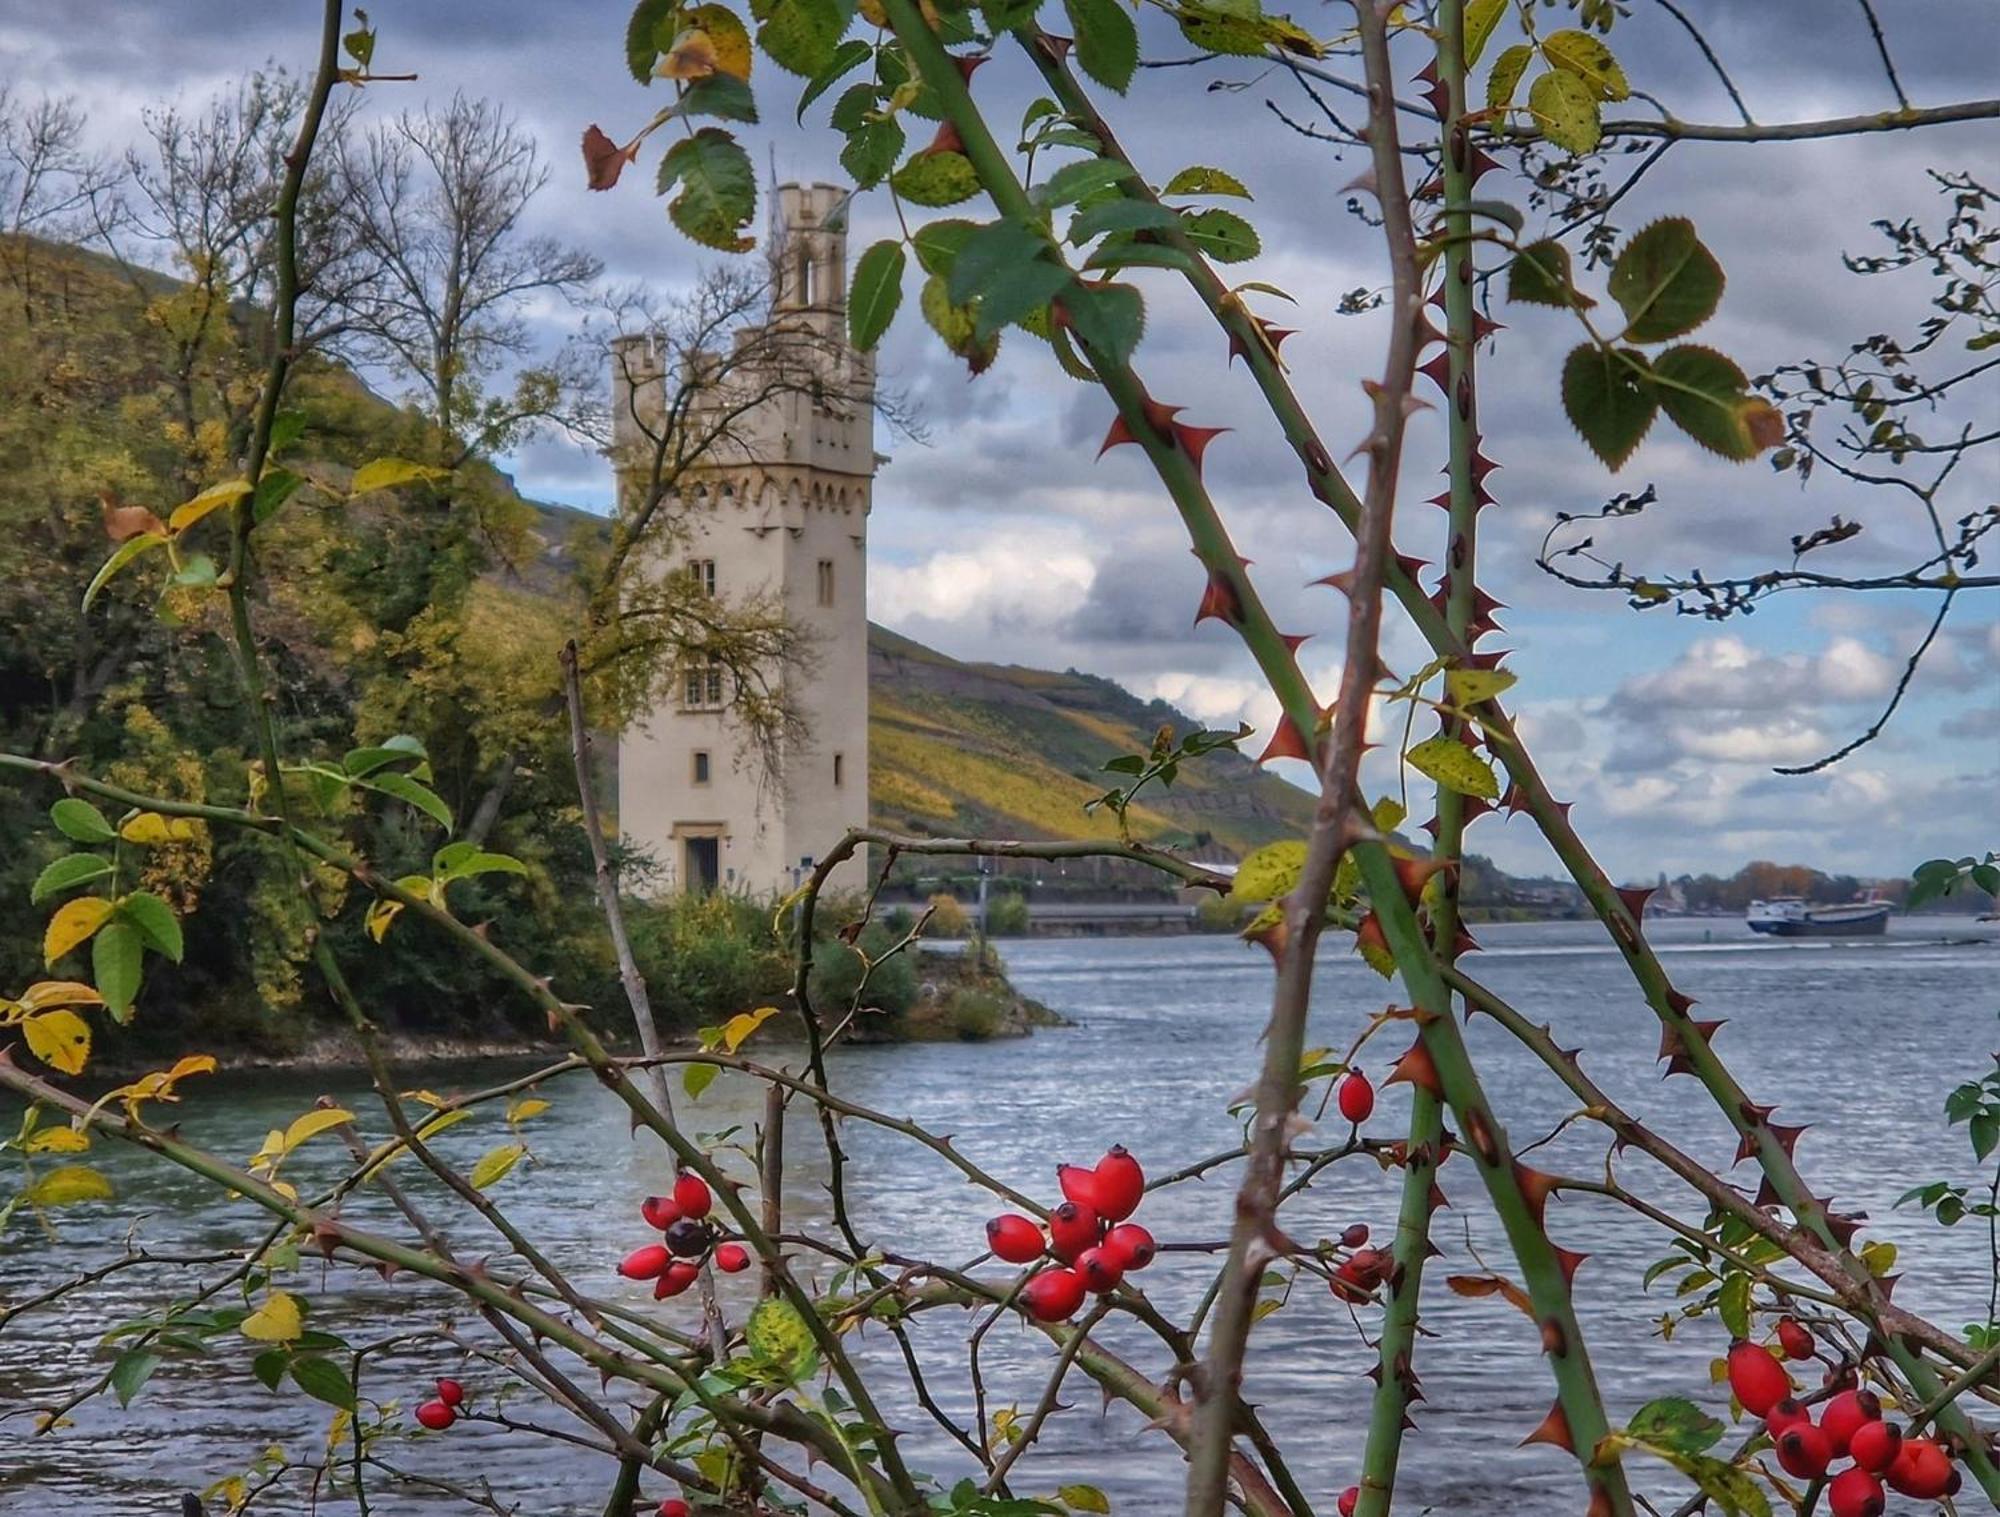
(1409, 563)
(1634, 897)
(1413, 874)
(1119, 434)
(1481, 467)
(1286, 742)
(1463, 943)
(1294, 640)
(1554, 1429)
(1415, 1067)
(1271, 936)
(947, 140)
(1569, 1262)
(1341, 580)
(1194, 441)
(1788, 1137)
(1479, 162)
(1218, 600)
(1843, 1228)
(1536, 1188)
(1679, 1002)
(1056, 46)
(1515, 800)
(1437, 370)
(1484, 326)
(968, 64)
(1475, 807)
(1767, 1193)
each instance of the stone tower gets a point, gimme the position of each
(785, 515)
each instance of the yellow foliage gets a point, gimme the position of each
(278, 1320)
(74, 924)
(60, 1039)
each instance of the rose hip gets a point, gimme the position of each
(1118, 1184)
(1053, 1295)
(1015, 1238)
(436, 1416)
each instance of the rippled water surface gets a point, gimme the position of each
(1862, 1039)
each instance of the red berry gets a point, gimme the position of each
(436, 1416)
(1855, 1493)
(1053, 1295)
(1132, 1244)
(1758, 1380)
(659, 1212)
(1357, 1098)
(1349, 1500)
(1875, 1445)
(1014, 1238)
(1072, 1229)
(1787, 1413)
(673, 1506)
(1795, 1340)
(1921, 1469)
(1079, 1185)
(451, 1393)
(676, 1278)
(1804, 1451)
(1845, 1414)
(1356, 1236)
(692, 1195)
(732, 1258)
(1118, 1183)
(644, 1263)
(1101, 1268)
(1357, 1275)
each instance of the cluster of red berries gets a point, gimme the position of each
(673, 1506)
(1850, 1426)
(1093, 1245)
(687, 1237)
(441, 1413)
(1355, 1278)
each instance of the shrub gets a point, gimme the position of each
(1007, 915)
(976, 1015)
(707, 957)
(949, 918)
(838, 971)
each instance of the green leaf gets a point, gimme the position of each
(413, 793)
(1481, 17)
(1223, 235)
(464, 860)
(718, 189)
(1566, 110)
(1665, 281)
(1080, 180)
(849, 56)
(1703, 393)
(128, 550)
(801, 36)
(1006, 15)
(1506, 76)
(78, 819)
(156, 922)
(287, 428)
(360, 46)
(273, 490)
(1675, 1422)
(698, 1077)
(1269, 872)
(388, 473)
(115, 960)
(1540, 275)
(1120, 252)
(986, 254)
(1017, 293)
(1199, 180)
(647, 35)
(957, 325)
(721, 95)
(872, 150)
(269, 1367)
(324, 1380)
(1732, 1303)
(130, 1371)
(1110, 319)
(1586, 57)
(1731, 1488)
(1609, 400)
(934, 179)
(1107, 41)
(1455, 766)
(876, 293)
(496, 1164)
(777, 1334)
(1119, 216)
(1985, 1133)
(938, 244)
(66, 873)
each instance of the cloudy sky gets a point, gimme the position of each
(1001, 539)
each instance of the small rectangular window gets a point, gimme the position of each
(701, 768)
(702, 572)
(702, 688)
(826, 582)
(840, 769)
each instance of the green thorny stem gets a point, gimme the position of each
(1254, 342)
(1230, 588)
(1397, 1384)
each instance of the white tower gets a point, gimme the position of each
(785, 515)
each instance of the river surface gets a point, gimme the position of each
(1861, 1038)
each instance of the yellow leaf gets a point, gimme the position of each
(520, 1111)
(73, 924)
(336, 1431)
(728, 41)
(427, 1097)
(68, 1185)
(47, 993)
(1455, 766)
(286, 1189)
(312, 1124)
(60, 1039)
(495, 1164)
(691, 57)
(58, 1140)
(387, 473)
(212, 499)
(278, 1320)
(1468, 687)
(380, 915)
(736, 1031)
(150, 827)
(1270, 872)
(441, 1121)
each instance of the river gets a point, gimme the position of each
(1862, 1038)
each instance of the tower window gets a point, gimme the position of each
(702, 572)
(826, 582)
(701, 767)
(703, 688)
(840, 769)
(805, 274)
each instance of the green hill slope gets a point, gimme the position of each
(1002, 751)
